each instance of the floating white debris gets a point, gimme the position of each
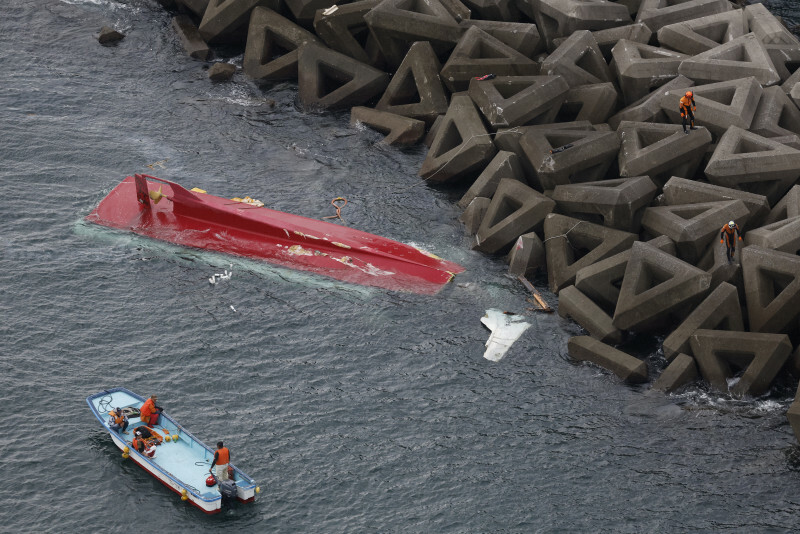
(506, 328)
(226, 275)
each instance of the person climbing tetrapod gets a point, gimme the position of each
(687, 109)
(727, 236)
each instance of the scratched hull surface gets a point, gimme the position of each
(209, 222)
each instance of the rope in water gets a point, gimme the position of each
(338, 208)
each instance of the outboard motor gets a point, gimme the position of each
(227, 488)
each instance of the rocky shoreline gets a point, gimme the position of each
(562, 117)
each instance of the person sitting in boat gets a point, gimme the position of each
(118, 421)
(143, 442)
(149, 413)
(222, 458)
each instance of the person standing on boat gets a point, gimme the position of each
(118, 421)
(149, 413)
(222, 458)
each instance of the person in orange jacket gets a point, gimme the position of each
(727, 236)
(687, 108)
(117, 421)
(149, 413)
(222, 458)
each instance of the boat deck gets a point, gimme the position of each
(187, 460)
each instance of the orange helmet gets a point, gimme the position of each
(689, 94)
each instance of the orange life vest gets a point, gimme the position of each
(147, 410)
(687, 104)
(727, 233)
(118, 419)
(223, 456)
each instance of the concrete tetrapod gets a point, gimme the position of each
(742, 57)
(526, 256)
(272, 46)
(190, 37)
(579, 61)
(657, 286)
(719, 105)
(786, 208)
(719, 311)
(462, 146)
(681, 371)
(659, 13)
(226, 20)
(594, 102)
(509, 139)
(719, 354)
(776, 116)
(396, 24)
(478, 53)
(772, 289)
(606, 39)
(640, 68)
(399, 130)
(342, 28)
(572, 244)
(660, 150)
(416, 90)
(679, 190)
(560, 156)
(695, 36)
(560, 18)
(693, 226)
(715, 262)
(784, 58)
(601, 281)
(616, 203)
(474, 213)
(508, 101)
(648, 108)
(521, 36)
(783, 236)
(748, 161)
(625, 366)
(574, 304)
(331, 80)
(515, 209)
(504, 165)
(766, 26)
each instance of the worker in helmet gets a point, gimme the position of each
(687, 108)
(727, 236)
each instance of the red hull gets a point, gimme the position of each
(207, 222)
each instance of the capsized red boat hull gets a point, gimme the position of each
(212, 223)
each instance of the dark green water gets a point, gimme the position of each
(356, 410)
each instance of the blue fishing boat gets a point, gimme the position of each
(180, 460)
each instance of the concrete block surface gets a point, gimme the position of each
(462, 146)
(572, 244)
(625, 366)
(720, 310)
(748, 161)
(515, 209)
(772, 289)
(416, 90)
(656, 285)
(721, 354)
(616, 203)
(478, 53)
